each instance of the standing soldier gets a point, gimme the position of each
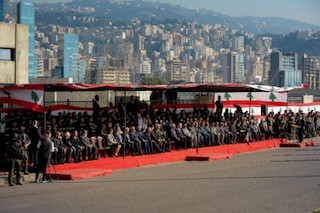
(15, 152)
(25, 142)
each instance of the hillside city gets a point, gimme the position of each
(91, 49)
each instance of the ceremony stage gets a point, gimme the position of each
(105, 166)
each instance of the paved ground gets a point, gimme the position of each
(280, 180)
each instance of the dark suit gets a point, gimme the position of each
(135, 138)
(147, 143)
(59, 155)
(44, 154)
(34, 135)
(183, 138)
(70, 149)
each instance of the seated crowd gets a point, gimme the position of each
(77, 137)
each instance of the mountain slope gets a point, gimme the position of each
(125, 10)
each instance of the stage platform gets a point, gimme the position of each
(105, 166)
(210, 157)
(296, 144)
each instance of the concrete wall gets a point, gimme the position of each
(14, 36)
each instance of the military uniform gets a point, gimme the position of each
(25, 143)
(15, 152)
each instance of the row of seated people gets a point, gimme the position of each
(135, 141)
(153, 139)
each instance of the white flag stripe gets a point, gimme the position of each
(258, 96)
(24, 95)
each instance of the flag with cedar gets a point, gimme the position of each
(34, 96)
(272, 97)
(227, 96)
(250, 96)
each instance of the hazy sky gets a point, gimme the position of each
(302, 10)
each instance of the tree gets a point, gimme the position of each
(227, 96)
(152, 81)
(34, 97)
(250, 96)
(272, 97)
(251, 111)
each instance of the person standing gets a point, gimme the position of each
(15, 155)
(45, 148)
(219, 107)
(35, 136)
(25, 142)
(301, 125)
(96, 109)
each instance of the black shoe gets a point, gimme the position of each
(11, 184)
(19, 183)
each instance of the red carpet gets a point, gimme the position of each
(88, 169)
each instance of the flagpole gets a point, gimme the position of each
(44, 111)
(250, 104)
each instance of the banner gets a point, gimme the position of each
(26, 97)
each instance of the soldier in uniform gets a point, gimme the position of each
(15, 152)
(25, 142)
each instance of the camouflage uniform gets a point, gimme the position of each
(15, 151)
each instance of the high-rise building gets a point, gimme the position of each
(233, 68)
(238, 44)
(70, 51)
(178, 71)
(25, 12)
(310, 67)
(284, 70)
(1, 10)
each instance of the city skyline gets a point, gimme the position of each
(307, 10)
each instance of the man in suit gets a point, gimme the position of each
(45, 148)
(174, 136)
(60, 149)
(96, 109)
(147, 144)
(129, 144)
(35, 136)
(90, 150)
(71, 150)
(136, 140)
(219, 107)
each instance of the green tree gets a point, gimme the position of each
(272, 97)
(251, 111)
(152, 81)
(227, 96)
(34, 96)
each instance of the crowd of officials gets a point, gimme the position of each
(79, 137)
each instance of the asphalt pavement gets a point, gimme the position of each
(278, 180)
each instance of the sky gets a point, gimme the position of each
(301, 10)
